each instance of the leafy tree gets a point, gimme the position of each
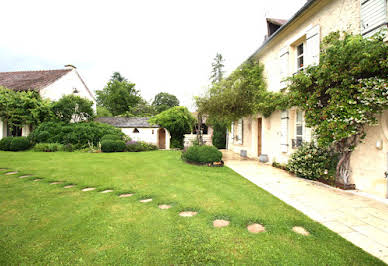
(23, 108)
(217, 72)
(344, 93)
(72, 107)
(117, 76)
(178, 121)
(103, 112)
(142, 109)
(118, 97)
(164, 101)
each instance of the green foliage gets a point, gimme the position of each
(202, 154)
(236, 96)
(23, 108)
(313, 162)
(5, 143)
(72, 107)
(110, 145)
(142, 109)
(137, 146)
(117, 76)
(103, 112)
(111, 137)
(178, 121)
(48, 147)
(78, 134)
(217, 73)
(219, 133)
(164, 101)
(118, 97)
(43, 136)
(19, 144)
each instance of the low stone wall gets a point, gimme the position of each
(190, 138)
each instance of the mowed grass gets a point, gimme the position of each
(47, 224)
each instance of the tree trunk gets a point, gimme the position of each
(199, 130)
(343, 170)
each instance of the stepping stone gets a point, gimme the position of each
(24, 176)
(11, 173)
(220, 223)
(38, 179)
(164, 206)
(145, 200)
(89, 189)
(256, 228)
(188, 213)
(126, 195)
(2, 169)
(300, 230)
(107, 191)
(55, 183)
(69, 186)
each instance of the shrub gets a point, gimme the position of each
(313, 162)
(48, 147)
(111, 137)
(77, 134)
(137, 146)
(112, 146)
(5, 143)
(202, 154)
(19, 144)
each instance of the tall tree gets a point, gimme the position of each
(118, 96)
(164, 101)
(72, 107)
(117, 76)
(217, 73)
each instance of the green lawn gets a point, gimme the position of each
(47, 224)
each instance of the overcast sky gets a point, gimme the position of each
(159, 45)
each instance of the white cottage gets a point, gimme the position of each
(51, 84)
(139, 129)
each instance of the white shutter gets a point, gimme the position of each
(232, 132)
(240, 131)
(283, 64)
(373, 16)
(284, 132)
(312, 46)
(307, 134)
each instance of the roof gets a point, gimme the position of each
(277, 21)
(123, 122)
(284, 26)
(30, 80)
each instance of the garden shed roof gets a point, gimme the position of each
(125, 122)
(30, 80)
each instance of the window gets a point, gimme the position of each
(284, 131)
(299, 57)
(153, 132)
(298, 129)
(135, 130)
(14, 131)
(373, 16)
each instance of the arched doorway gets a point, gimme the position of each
(162, 138)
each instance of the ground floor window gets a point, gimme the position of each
(298, 130)
(14, 131)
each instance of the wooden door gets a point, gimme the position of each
(259, 128)
(162, 138)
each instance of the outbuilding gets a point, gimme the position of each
(138, 129)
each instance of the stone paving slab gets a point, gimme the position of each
(357, 217)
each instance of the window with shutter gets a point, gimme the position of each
(373, 16)
(312, 46)
(239, 137)
(284, 132)
(283, 60)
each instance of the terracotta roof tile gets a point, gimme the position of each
(30, 80)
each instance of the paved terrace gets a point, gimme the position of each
(358, 218)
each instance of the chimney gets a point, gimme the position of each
(70, 66)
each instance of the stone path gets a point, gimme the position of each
(359, 219)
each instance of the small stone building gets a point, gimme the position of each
(138, 129)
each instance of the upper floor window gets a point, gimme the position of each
(299, 57)
(374, 16)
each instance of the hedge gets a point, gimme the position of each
(202, 154)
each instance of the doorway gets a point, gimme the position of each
(162, 138)
(259, 128)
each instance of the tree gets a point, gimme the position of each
(118, 97)
(72, 107)
(344, 93)
(23, 108)
(178, 121)
(217, 72)
(142, 109)
(103, 112)
(117, 76)
(164, 101)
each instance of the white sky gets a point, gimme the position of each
(159, 45)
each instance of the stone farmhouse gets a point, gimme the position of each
(289, 47)
(51, 84)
